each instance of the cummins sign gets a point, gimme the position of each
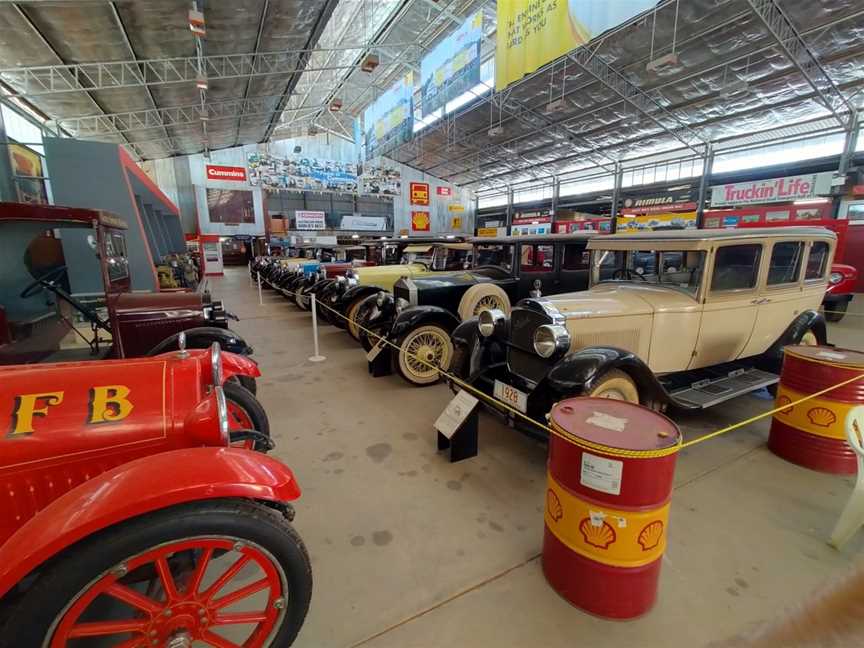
(230, 173)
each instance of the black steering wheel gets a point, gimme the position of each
(627, 274)
(46, 280)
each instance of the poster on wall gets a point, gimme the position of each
(301, 173)
(230, 206)
(420, 221)
(310, 220)
(381, 180)
(419, 193)
(531, 34)
(453, 66)
(27, 171)
(389, 120)
(786, 189)
(364, 223)
(686, 220)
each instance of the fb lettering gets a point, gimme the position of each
(106, 404)
(28, 406)
(109, 404)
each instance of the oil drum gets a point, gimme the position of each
(608, 493)
(812, 434)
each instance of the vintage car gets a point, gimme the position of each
(131, 516)
(422, 312)
(346, 293)
(841, 290)
(37, 306)
(686, 319)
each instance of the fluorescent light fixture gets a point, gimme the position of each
(403, 236)
(383, 238)
(355, 236)
(495, 131)
(813, 201)
(450, 236)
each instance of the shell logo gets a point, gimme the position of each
(782, 400)
(650, 536)
(553, 505)
(420, 221)
(821, 416)
(597, 536)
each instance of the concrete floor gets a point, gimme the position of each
(410, 551)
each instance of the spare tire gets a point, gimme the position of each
(482, 297)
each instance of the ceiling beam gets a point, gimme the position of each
(261, 23)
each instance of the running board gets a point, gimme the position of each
(707, 393)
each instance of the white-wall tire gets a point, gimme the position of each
(483, 297)
(809, 339)
(430, 343)
(617, 385)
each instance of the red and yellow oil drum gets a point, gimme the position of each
(607, 504)
(812, 434)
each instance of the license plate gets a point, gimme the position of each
(511, 396)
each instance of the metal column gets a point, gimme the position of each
(509, 222)
(707, 166)
(849, 146)
(616, 197)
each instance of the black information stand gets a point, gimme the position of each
(464, 441)
(380, 365)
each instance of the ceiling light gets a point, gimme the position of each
(355, 236)
(663, 63)
(336, 105)
(196, 23)
(403, 236)
(495, 131)
(814, 201)
(201, 81)
(370, 63)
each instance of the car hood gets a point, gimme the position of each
(459, 278)
(616, 300)
(388, 274)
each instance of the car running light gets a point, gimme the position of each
(835, 278)
(550, 339)
(489, 320)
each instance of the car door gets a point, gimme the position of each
(575, 266)
(537, 262)
(781, 294)
(731, 304)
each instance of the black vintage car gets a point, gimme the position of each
(422, 312)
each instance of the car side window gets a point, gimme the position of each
(736, 267)
(576, 257)
(537, 258)
(785, 266)
(817, 261)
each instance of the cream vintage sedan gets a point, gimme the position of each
(685, 318)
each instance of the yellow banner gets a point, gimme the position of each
(487, 232)
(649, 222)
(609, 536)
(531, 33)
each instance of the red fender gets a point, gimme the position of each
(234, 364)
(138, 487)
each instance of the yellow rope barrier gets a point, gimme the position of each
(563, 434)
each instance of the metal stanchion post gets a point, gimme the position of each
(260, 297)
(317, 357)
(251, 278)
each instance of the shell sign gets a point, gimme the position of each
(420, 193)
(419, 221)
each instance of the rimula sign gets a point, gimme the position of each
(758, 192)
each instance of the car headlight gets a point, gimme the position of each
(550, 339)
(489, 320)
(352, 281)
(401, 304)
(379, 301)
(835, 278)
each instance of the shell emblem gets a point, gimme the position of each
(553, 505)
(597, 536)
(782, 400)
(821, 416)
(650, 536)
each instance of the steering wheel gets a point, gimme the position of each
(46, 280)
(627, 274)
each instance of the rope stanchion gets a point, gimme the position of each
(260, 296)
(587, 445)
(316, 357)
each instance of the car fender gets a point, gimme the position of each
(317, 286)
(772, 359)
(472, 353)
(202, 337)
(416, 316)
(353, 293)
(128, 491)
(234, 364)
(577, 373)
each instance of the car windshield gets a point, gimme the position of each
(450, 258)
(498, 254)
(678, 269)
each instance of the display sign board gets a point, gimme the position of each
(389, 120)
(310, 220)
(420, 221)
(301, 173)
(456, 223)
(230, 206)
(787, 189)
(456, 207)
(665, 202)
(656, 222)
(529, 219)
(229, 173)
(420, 193)
(444, 191)
(491, 232)
(452, 67)
(531, 33)
(28, 174)
(532, 229)
(381, 180)
(365, 223)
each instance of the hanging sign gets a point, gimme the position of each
(310, 220)
(444, 191)
(789, 188)
(420, 193)
(420, 221)
(230, 173)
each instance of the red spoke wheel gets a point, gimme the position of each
(217, 573)
(245, 413)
